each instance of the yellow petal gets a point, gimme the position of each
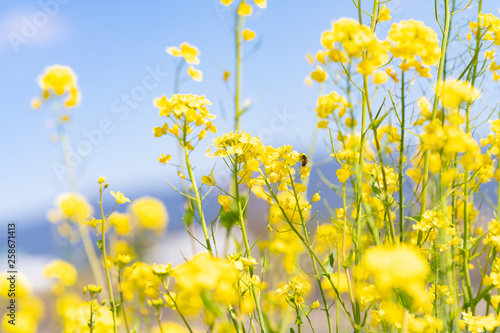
(248, 34)
(244, 9)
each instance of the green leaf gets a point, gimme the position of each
(348, 261)
(292, 330)
(188, 218)
(415, 218)
(330, 262)
(136, 325)
(376, 122)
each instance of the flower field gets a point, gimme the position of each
(389, 221)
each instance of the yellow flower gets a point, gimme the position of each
(226, 2)
(121, 222)
(261, 3)
(349, 122)
(224, 201)
(226, 75)
(139, 279)
(248, 34)
(187, 112)
(74, 207)
(392, 74)
(358, 41)
(478, 324)
(315, 305)
(396, 268)
(122, 260)
(36, 103)
(162, 271)
(186, 51)
(384, 14)
(208, 180)
(323, 124)
(244, 9)
(454, 93)
(295, 290)
(411, 39)
(62, 271)
(119, 197)
(343, 175)
(327, 104)
(340, 282)
(379, 77)
(101, 180)
(93, 223)
(195, 74)
(93, 289)
(328, 237)
(212, 276)
(319, 75)
(430, 219)
(159, 131)
(150, 213)
(316, 197)
(164, 159)
(60, 80)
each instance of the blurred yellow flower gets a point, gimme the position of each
(244, 9)
(121, 222)
(384, 14)
(150, 213)
(59, 80)
(164, 158)
(379, 77)
(319, 74)
(195, 74)
(454, 93)
(261, 3)
(248, 34)
(61, 270)
(74, 207)
(225, 202)
(186, 51)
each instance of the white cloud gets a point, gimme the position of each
(39, 25)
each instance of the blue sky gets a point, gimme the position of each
(113, 46)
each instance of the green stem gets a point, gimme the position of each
(91, 326)
(247, 246)
(122, 300)
(306, 236)
(105, 261)
(197, 196)
(466, 177)
(437, 93)
(237, 93)
(176, 307)
(308, 246)
(401, 161)
(158, 319)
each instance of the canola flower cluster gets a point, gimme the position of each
(403, 248)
